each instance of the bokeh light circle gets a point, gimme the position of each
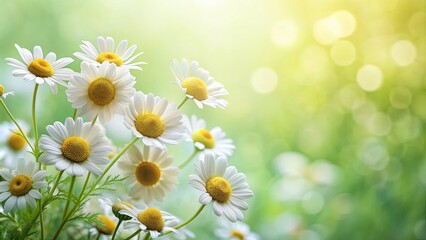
(343, 53)
(369, 77)
(264, 80)
(403, 52)
(284, 33)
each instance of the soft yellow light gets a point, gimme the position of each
(264, 80)
(346, 21)
(343, 53)
(327, 31)
(369, 77)
(400, 97)
(403, 52)
(284, 33)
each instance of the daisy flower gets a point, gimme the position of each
(75, 147)
(41, 69)
(107, 223)
(150, 173)
(121, 56)
(154, 120)
(150, 220)
(20, 186)
(13, 144)
(235, 231)
(223, 186)
(101, 91)
(209, 142)
(198, 85)
(4, 94)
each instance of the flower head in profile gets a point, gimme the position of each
(153, 119)
(13, 144)
(150, 220)
(75, 147)
(36, 67)
(106, 222)
(4, 94)
(21, 186)
(223, 186)
(235, 231)
(101, 92)
(106, 52)
(198, 85)
(150, 173)
(212, 141)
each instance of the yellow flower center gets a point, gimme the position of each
(121, 205)
(110, 57)
(152, 219)
(76, 149)
(108, 225)
(147, 173)
(203, 136)
(16, 142)
(101, 91)
(195, 87)
(237, 234)
(1, 90)
(149, 124)
(20, 185)
(40, 68)
(219, 189)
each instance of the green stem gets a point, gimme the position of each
(17, 125)
(112, 163)
(84, 186)
(58, 179)
(134, 234)
(99, 236)
(187, 221)
(36, 152)
(147, 236)
(69, 197)
(74, 115)
(183, 102)
(94, 120)
(182, 165)
(116, 228)
(41, 220)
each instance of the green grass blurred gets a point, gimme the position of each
(354, 136)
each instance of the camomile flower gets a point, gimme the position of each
(4, 94)
(41, 69)
(198, 85)
(75, 147)
(150, 220)
(121, 56)
(235, 231)
(212, 141)
(106, 224)
(153, 119)
(101, 92)
(150, 173)
(223, 186)
(20, 186)
(13, 145)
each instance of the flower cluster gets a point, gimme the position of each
(78, 148)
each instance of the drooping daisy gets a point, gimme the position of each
(75, 147)
(41, 69)
(101, 91)
(13, 145)
(154, 120)
(150, 173)
(107, 222)
(20, 186)
(4, 94)
(150, 220)
(121, 56)
(223, 186)
(208, 142)
(235, 231)
(198, 85)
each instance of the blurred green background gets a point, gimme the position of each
(327, 101)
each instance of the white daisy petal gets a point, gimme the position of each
(10, 204)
